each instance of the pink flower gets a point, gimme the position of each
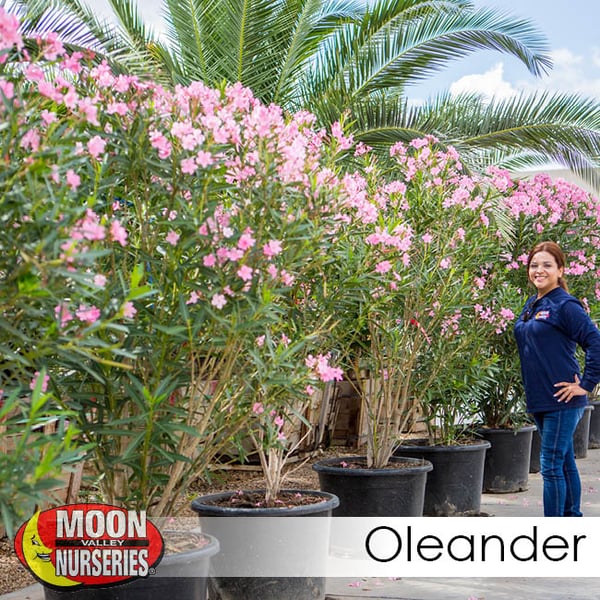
(88, 314)
(96, 146)
(31, 140)
(258, 408)
(48, 117)
(99, 281)
(204, 159)
(194, 298)
(129, 310)
(9, 31)
(34, 381)
(234, 254)
(188, 166)
(246, 241)
(7, 87)
(172, 238)
(89, 110)
(118, 233)
(73, 180)
(287, 278)
(272, 248)
(361, 148)
(160, 143)
(343, 141)
(218, 301)
(321, 366)
(63, 313)
(245, 273)
(383, 267)
(89, 228)
(209, 260)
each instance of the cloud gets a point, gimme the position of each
(571, 73)
(150, 11)
(491, 83)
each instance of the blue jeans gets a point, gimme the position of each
(562, 486)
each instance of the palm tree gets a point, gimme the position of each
(349, 56)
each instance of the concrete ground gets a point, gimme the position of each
(523, 504)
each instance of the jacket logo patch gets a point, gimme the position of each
(542, 315)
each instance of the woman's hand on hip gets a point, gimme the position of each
(569, 390)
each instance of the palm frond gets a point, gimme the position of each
(387, 50)
(524, 131)
(124, 42)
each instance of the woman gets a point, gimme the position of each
(548, 331)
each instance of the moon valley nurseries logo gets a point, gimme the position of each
(88, 545)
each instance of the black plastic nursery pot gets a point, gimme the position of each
(262, 557)
(581, 437)
(536, 449)
(507, 461)
(594, 437)
(180, 576)
(398, 491)
(454, 486)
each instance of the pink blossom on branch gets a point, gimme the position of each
(218, 301)
(272, 248)
(129, 310)
(245, 273)
(9, 33)
(118, 233)
(320, 365)
(45, 380)
(88, 314)
(73, 180)
(63, 314)
(96, 146)
(172, 238)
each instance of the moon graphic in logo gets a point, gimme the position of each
(39, 557)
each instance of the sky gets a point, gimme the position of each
(570, 26)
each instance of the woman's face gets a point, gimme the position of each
(544, 272)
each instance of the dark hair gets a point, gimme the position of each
(554, 249)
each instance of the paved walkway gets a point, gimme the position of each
(523, 504)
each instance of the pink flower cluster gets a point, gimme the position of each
(551, 202)
(499, 318)
(322, 369)
(44, 384)
(9, 34)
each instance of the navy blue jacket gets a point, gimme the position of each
(547, 333)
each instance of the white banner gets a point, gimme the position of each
(406, 547)
(464, 547)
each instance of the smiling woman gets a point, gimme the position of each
(545, 273)
(551, 326)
